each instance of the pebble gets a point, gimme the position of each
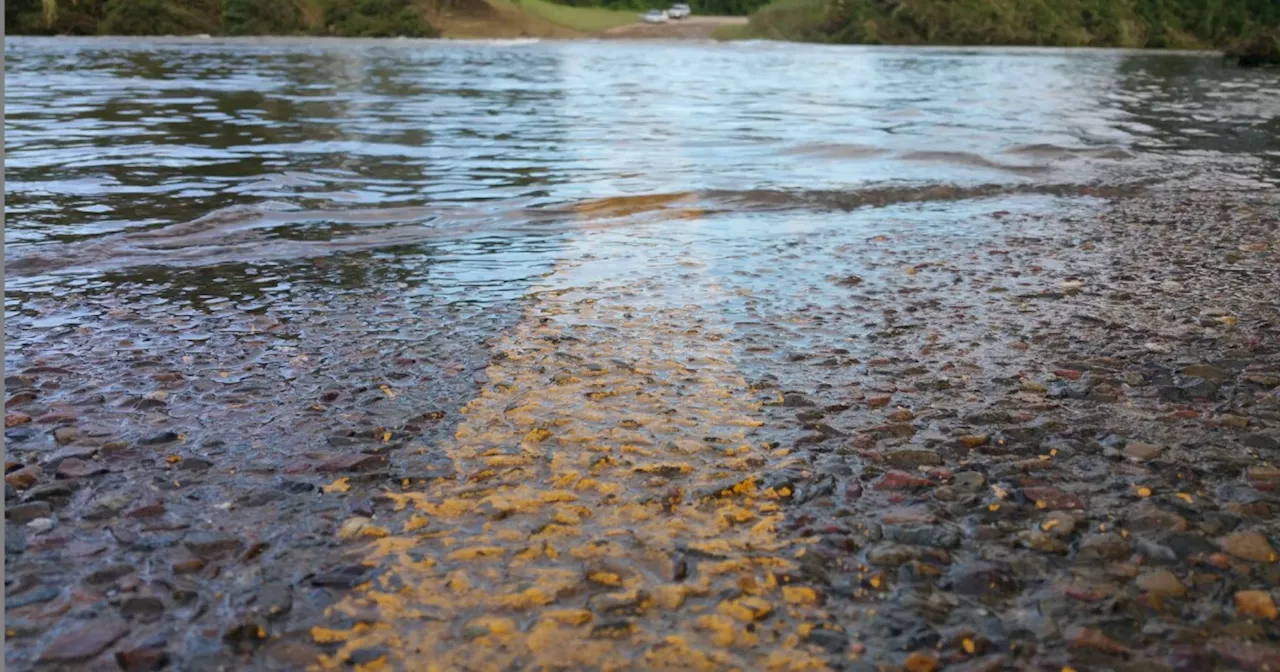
(1141, 452)
(982, 578)
(354, 462)
(969, 480)
(1095, 639)
(25, 513)
(40, 525)
(210, 543)
(1248, 545)
(1047, 497)
(912, 458)
(1261, 442)
(159, 439)
(24, 478)
(77, 468)
(84, 640)
(1256, 603)
(897, 480)
(1102, 547)
(891, 555)
(145, 607)
(920, 662)
(65, 435)
(144, 659)
(1161, 583)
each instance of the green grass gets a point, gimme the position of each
(581, 19)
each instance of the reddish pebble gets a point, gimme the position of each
(15, 419)
(1068, 374)
(879, 402)
(898, 480)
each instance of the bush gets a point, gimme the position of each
(375, 18)
(261, 17)
(157, 17)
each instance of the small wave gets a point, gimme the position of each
(1050, 151)
(499, 41)
(970, 159)
(273, 231)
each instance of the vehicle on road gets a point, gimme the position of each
(654, 16)
(679, 11)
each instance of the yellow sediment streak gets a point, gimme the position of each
(610, 512)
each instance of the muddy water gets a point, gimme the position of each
(609, 356)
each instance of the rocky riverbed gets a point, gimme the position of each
(1024, 433)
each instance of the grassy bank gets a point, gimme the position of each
(1098, 23)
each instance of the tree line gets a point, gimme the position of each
(1098, 23)
(348, 18)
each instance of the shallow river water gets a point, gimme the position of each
(604, 355)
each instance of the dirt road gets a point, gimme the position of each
(692, 28)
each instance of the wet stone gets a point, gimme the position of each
(15, 540)
(144, 659)
(891, 555)
(971, 481)
(1094, 639)
(933, 536)
(211, 543)
(50, 492)
(25, 513)
(982, 579)
(346, 576)
(1261, 442)
(1161, 583)
(76, 468)
(144, 607)
(84, 641)
(38, 595)
(1207, 372)
(1141, 452)
(1102, 547)
(1051, 498)
(1248, 545)
(108, 574)
(912, 458)
(1256, 604)
(194, 464)
(159, 439)
(65, 435)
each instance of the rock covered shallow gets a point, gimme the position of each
(1021, 433)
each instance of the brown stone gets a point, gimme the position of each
(1142, 452)
(1096, 640)
(189, 566)
(142, 660)
(1051, 498)
(897, 480)
(84, 641)
(1161, 583)
(1256, 603)
(77, 468)
(1248, 545)
(920, 662)
(24, 477)
(879, 402)
(355, 462)
(15, 419)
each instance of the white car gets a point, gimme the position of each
(655, 16)
(680, 11)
